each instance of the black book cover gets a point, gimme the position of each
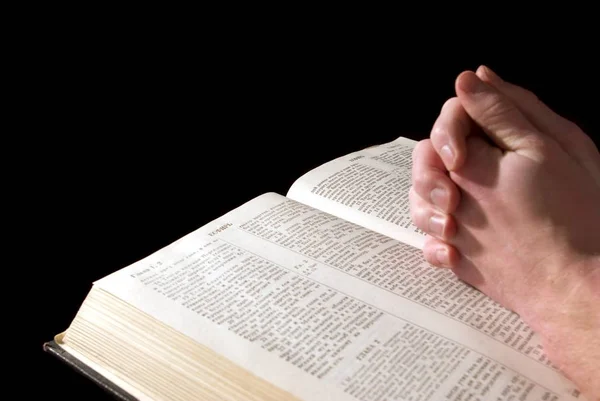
(54, 349)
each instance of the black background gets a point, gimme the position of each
(151, 133)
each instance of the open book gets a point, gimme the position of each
(322, 294)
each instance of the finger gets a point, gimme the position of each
(449, 132)
(429, 179)
(568, 135)
(498, 116)
(429, 219)
(440, 254)
(540, 115)
(481, 169)
(424, 156)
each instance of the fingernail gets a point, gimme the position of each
(439, 197)
(471, 83)
(436, 225)
(442, 256)
(447, 155)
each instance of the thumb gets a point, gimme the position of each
(497, 116)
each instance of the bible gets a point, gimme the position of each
(318, 294)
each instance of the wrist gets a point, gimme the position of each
(567, 318)
(567, 298)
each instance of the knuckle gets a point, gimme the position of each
(418, 149)
(521, 93)
(529, 96)
(582, 144)
(573, 129)
(421, 221)
(497, 109)
(428, 254)
(423, 181)
(415, 213)
(450, 103)
(438, 132)
(588, 143)
(420, 217)
(413, 216)
(411, 197)
(412, 200)
(575, 132)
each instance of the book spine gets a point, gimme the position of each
(52, 348)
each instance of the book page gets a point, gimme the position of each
(329, 310)
(369, 187)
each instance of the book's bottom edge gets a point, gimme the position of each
(54, 348)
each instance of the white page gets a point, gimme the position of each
(368, 187)
(328, 310)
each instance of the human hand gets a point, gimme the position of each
(514, 210)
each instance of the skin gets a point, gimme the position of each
(509, 192)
